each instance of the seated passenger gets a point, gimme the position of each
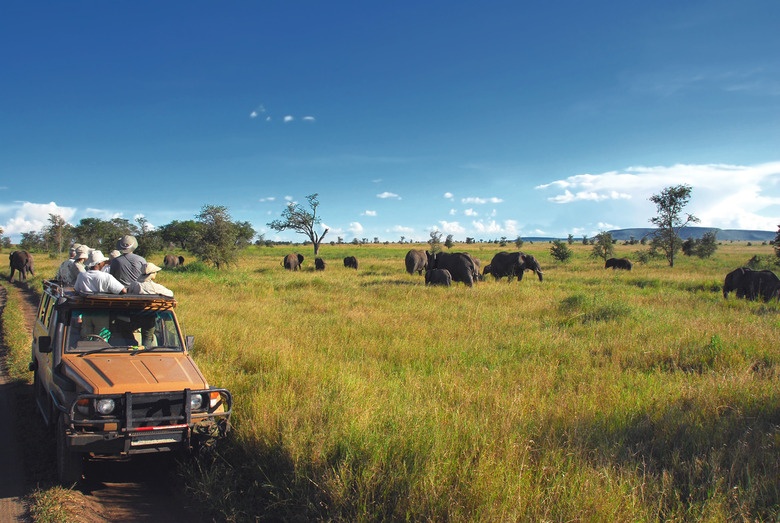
(145, 285)
(70, 268)
(128, 266)
(96, 281)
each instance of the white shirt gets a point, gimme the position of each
(92, 282)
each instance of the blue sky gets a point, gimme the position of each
(478, 119)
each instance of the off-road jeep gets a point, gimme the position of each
(113, 377)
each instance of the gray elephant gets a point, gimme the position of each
(438, 277)
(459, 264)
(752, 284)
(21, 261)
(618, 263)
(511, 264)
(319, 264)
(350, 262)
(292, 262)
(172, 260)
(416, 261)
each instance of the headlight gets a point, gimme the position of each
(105, 406)
(196, 401)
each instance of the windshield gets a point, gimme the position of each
(99, 330)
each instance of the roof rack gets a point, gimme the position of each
(130, 301)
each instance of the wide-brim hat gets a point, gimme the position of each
(149, 269)
(82, 252)
(95, 257)
(126, 244)
(113, 254)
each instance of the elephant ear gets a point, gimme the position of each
(300, 258)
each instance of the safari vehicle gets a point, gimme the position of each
(113, 377)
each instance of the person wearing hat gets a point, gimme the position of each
(127, 267)
(94, 281)
(146, 284)
(70, 268)
(111, 255)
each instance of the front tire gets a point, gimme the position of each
(70, 465)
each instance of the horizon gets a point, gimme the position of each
(485, 121)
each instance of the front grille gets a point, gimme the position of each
(152, 410)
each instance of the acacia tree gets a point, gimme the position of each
(670, 204)
(603, 246)
(217, 236)
(302, 221)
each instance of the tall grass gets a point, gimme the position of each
(594, 395)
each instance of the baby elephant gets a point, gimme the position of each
(319, 264)
(438, 277)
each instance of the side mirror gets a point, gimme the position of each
(189, 342)
(44, 344)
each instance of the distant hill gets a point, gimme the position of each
(724, 235)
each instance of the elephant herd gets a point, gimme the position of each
(443, 268)
(294, 261)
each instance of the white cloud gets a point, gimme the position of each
(451, 227)
(28, 216)
(508, 228)
(308, 118)
(401, 229)
(470, 212)
(448, 195)
(481, 201)
(368, 213)
(355, 228)
(268, 199)
(386, 195)
(288, 119)
(453, 212)
(724, 196)
(103, 214)
(288, 198)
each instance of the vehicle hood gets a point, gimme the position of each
(113, 374)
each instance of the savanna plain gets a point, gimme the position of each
(594, 395)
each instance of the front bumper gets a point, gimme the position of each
(148, 422)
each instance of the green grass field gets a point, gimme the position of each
(593, 395)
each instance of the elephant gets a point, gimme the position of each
(751, 284)
(319, 264)
(416, 260)
(459, 264)
(350, 262)
(172, 261)
(477, 269)
(292, 262)
(21, 261)
(511, 264)
(618, 263)
(438, 277)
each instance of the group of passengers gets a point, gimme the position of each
(123, 272)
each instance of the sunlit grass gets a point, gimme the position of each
(593, 395)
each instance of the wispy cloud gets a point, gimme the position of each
(448, 195)
(288, 119)
(385, 195)
(470, 212)
(481, 201)
(268, 199)
(368, 213)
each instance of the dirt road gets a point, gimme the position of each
(144, 490)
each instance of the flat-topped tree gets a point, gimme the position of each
(302, 221)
